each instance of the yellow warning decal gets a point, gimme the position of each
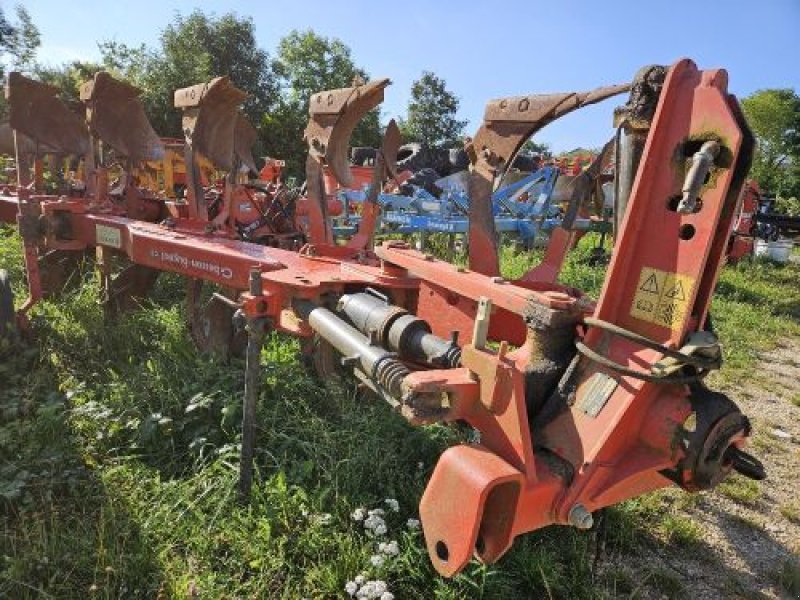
(662, 297)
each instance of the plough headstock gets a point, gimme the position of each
(115, 115)
(35, 110)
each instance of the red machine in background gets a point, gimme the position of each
(742, 240)
(579, 403)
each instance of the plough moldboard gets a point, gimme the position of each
(579, 403)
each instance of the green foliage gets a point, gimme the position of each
(431, 118)
(788, 206)
(193, 49)
(308, 63)
(774, 117)
(18, 44)
(740, 489)
(756, 302)
(541, 149)
(18, 41)
(68, 78)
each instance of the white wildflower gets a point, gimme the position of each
(373, 590)
(351, 587)
(387, 596)
(375, 523)
(377, 560)
(376, 512)
(393, 504)
(379, 587)
(389, 548)
(360, 579)
(412, 524)
(358, 514)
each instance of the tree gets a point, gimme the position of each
(431, 119)
(194, 49)
(774, 117)
(19, 41)
(18, 44)
(532, 148)
(308, 63)
(68, 78)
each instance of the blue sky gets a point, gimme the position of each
(483, 49)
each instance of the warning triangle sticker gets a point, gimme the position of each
(677, 292)
(650, 284)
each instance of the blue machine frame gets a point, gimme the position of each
(523, 209)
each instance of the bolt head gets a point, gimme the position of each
(580, 518)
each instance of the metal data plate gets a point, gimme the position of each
(598, 390)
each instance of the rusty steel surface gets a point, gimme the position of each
(507, 124)
(25, 144)
(210, 117)
(333, 115)
(35, 110)
(244, 136)
(115, 115)
(574, 405)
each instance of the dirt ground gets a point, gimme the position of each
(749, 538)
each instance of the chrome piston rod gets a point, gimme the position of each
(378, 364)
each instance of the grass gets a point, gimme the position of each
(119, 457)
(789, 577)
(740, 489)
(791, 512)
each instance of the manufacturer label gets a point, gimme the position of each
(108, 236)
(662, 297)
(194, 264)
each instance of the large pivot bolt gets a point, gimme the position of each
(580, 518)
(702, 161)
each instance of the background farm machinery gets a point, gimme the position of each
(578, 403)
(759, 230)
(522, 210)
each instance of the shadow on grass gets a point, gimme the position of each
(677, 565)
(61, 534)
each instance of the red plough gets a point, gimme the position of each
(579, 404)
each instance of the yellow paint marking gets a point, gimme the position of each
(662, 297)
